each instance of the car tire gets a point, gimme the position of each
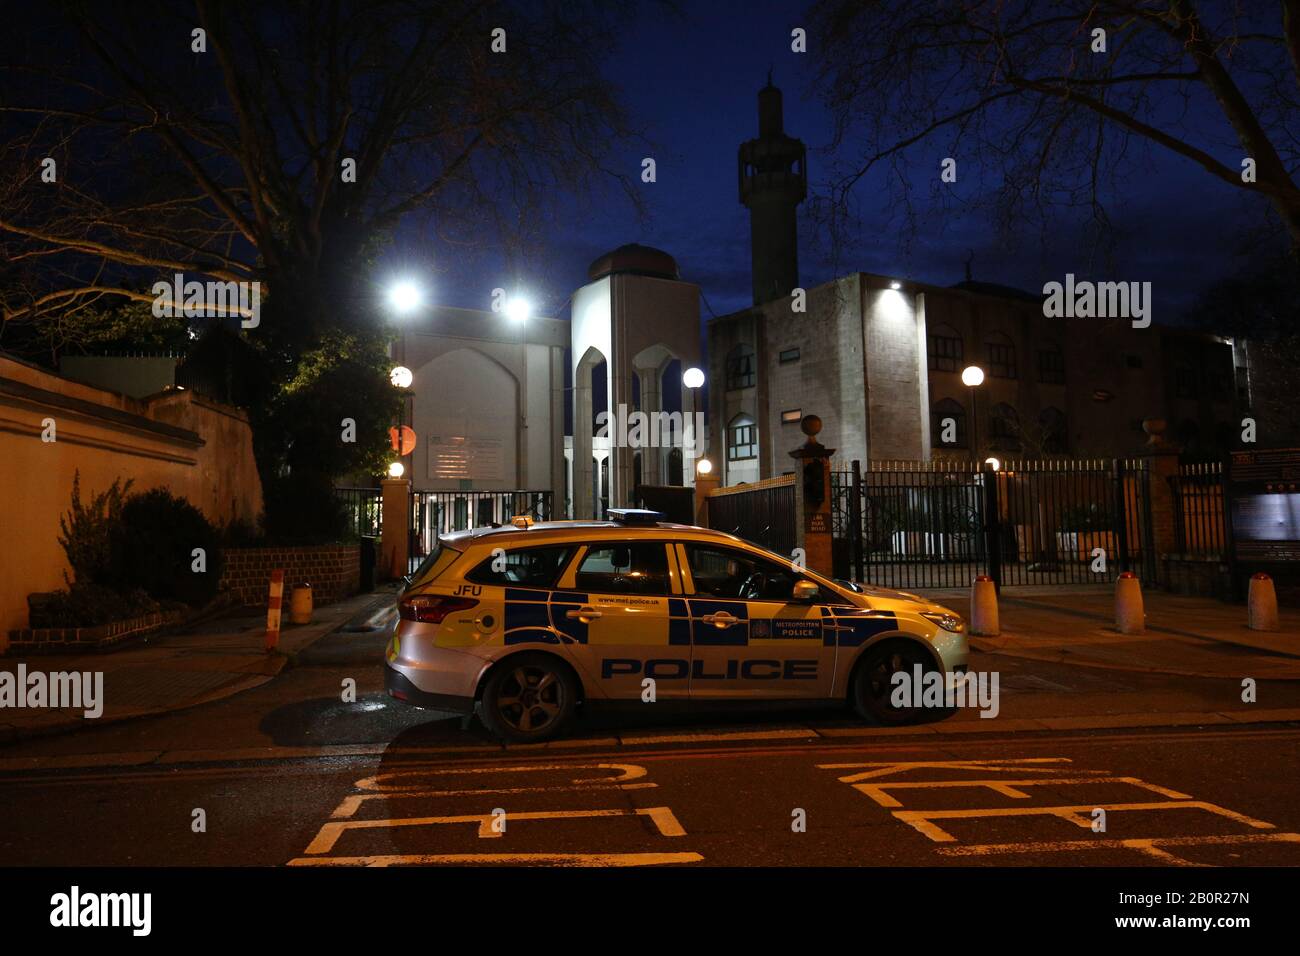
(529, 698)
(873, 687)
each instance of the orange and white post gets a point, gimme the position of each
(273, 610)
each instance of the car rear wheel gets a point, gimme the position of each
(873, 685)
(529, 698)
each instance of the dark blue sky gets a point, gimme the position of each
(690, 83)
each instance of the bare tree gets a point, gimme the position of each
(1047, 99)
(283, 144)
(225, 156)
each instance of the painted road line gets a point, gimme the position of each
(351, 804)
(330, 832)
(794, 734)
(1008, 788)
(566, 744)
(460, 859)
(626, 772)
(883, 768)
(923, 820)
(1152, 847)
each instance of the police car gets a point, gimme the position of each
(527, 620)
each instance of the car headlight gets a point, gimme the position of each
(946, 620)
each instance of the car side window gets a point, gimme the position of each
(624, 568)
(522, 567)
(736, 575)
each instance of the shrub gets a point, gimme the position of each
(303, 508)
(87, 605)
(152, 549)
(87, 530)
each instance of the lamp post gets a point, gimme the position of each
(693, 379)
(972, 376)
(517, 310)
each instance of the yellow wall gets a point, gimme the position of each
(212, 467)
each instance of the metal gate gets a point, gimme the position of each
(937, 524)
(762, 513)
(435, 513)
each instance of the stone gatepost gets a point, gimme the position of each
(395, 534)
(1162, 464)
(814, 491)
(705, 484)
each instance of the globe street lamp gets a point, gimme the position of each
(972, 376)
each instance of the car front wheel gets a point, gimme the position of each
(874, 686)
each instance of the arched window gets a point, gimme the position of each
(944, 349)
(948, 424)
(740, 367)
(742, 439)
(1051, 422)
(1004, 428)
(1000, 355)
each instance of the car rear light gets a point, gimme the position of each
(432, 608)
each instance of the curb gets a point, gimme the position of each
(10, 734)
(1062, 656)
(966, 729)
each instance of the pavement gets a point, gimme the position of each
(183, 667)
(1185, 636)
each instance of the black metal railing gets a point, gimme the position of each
(1199, 527)
(365, 509)
(936, 524)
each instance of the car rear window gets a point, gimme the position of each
(522, 567)
(434, 563)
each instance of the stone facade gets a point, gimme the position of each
(880, 360)
(332, 570)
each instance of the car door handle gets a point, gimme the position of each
(582, 614)
(720, 620)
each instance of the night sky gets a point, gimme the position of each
(690, 83)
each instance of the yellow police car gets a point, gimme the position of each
(527, 620)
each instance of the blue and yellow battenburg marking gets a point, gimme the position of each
(539, 616)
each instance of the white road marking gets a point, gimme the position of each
(923, 820)
(460, 859)
(330, 832)
(1008, 788)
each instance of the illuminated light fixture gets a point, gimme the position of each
(396, 470)
(993, 463)
(972, 375)
(703, 466)
(895, 285)
(693, 377)
(401, 376)
(518, 309)
(405, 297)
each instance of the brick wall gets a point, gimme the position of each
(332, 570)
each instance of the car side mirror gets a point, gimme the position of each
(804, 592)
